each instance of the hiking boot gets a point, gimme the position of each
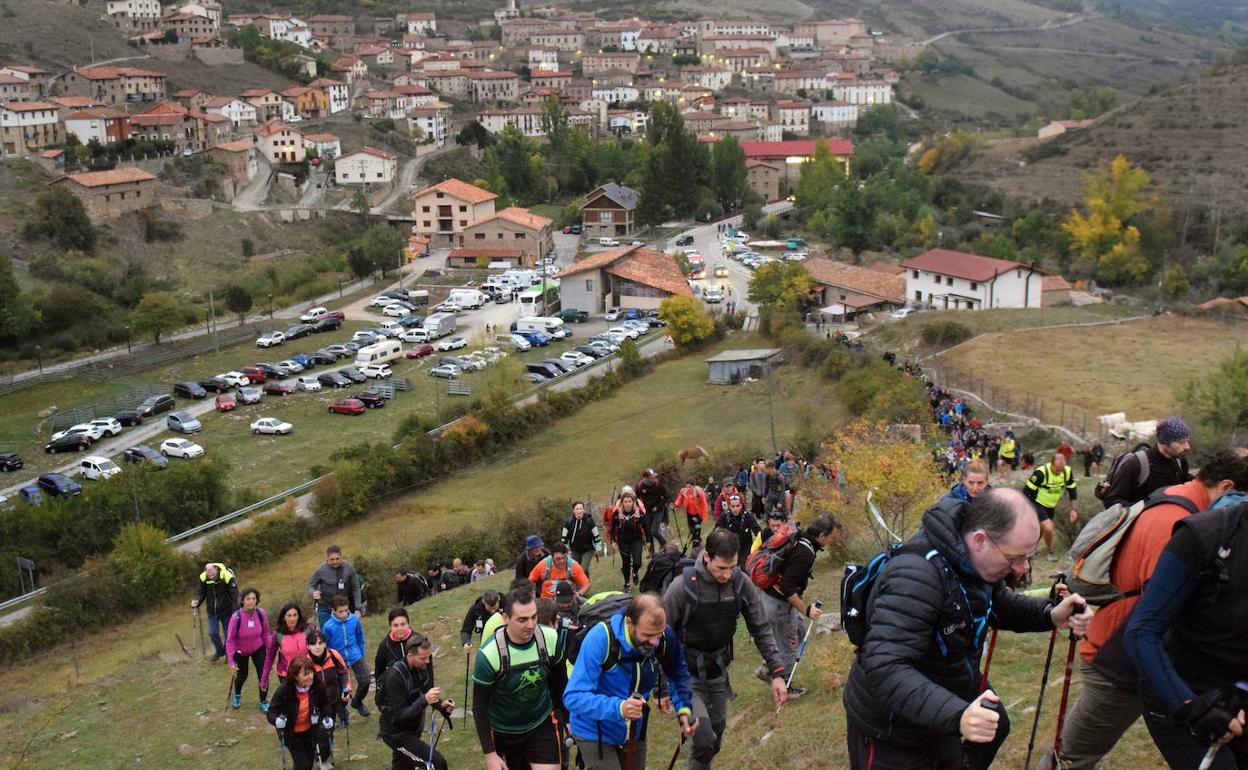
(628, 587)
(1051, 556)
(264, 706)
(361, 709)
(218, 656)
(236, 700)
(763, 676)
(796, 692)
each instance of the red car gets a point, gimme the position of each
(226, 402)
(254, 373)
(347, 406)
(277, 389)
(420, 351)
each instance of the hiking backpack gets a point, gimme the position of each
(662, 569)
(504, 652)
(1140, 453)
(764, 565)
(859, 583)
(1095, 550)
(598, 609)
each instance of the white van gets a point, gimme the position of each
(386, 350)
(502, 265)
(522, 278)
(308, 384)
(392, 328)
(548, 325)
(467, 299)
(96, 467)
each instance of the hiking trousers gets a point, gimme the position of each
(710, 704)
(1096, 721)
(583, 558)
(939, 752)
(1184, 751)
(786, 629)
(613, 757)
(630, 561)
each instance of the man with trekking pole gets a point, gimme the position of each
(406, 694)
(914, 699)
(218, 589)
(621, 663)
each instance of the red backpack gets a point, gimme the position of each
(764, 565)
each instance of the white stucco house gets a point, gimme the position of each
(954, 280)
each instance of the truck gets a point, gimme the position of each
(439, 325)
(468, 299)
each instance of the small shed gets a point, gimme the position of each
(732, 367)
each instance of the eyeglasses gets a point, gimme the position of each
(1014, 561)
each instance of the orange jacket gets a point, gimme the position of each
(693, 501)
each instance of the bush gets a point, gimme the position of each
(944, 333)
(147, 568)
(265, 539)
(836, 364)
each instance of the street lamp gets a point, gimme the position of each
(39, 359)
(270, 306)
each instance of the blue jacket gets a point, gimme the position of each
(345, 636)
(593, 697)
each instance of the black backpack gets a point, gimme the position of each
(1115, 468)
(859, 583)
(662, 569)
(598, 609)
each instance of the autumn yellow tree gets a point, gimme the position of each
(1103, 236)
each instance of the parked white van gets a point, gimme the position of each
(96, 467)
(386, 350)
(548, 325)
(468, 299)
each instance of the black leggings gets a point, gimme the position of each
(302, 747)
(257, 659)
(630, 560)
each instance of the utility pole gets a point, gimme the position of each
(212, 311)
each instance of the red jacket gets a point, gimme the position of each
(693, 501)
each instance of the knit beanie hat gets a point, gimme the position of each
(1172, 429)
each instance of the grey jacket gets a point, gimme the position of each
(326, 579)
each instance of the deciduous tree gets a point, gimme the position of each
(156, 314)
(687, 321)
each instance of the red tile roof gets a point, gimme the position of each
(241, 145)
(1054, 283)
(30, 106)
(959, 264)
(460, 189)
(472, 253)
(858, 280)
(111, 73)
(370, 151)
(275, 127)
(638, 264)
(520, 216)
(113, 176)
(795, 147)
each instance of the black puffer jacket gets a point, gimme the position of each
(903, 686)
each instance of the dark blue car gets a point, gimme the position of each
(537, 339)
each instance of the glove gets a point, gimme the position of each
(327, 723)
(1207, 715)
(280, 722)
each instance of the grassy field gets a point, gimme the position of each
(1131, 367)
(137, 671)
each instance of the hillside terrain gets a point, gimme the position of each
(1188, 137)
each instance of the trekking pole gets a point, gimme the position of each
(1044, 680)
(197, 629)
(676, 753)
(432, 720)
(346, 725)
(1061, 709)
(800, 652)
(281, 748)
(630, 742)
(992, 645)
(1241, 690)
(229, 694)
(467, 664)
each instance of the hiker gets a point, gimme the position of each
(301, 711)
(1044, 488)
(518, 682)
(346, 635)
(474, 620)
(783, 601)
(582, 536)
(248, 638)
(653, 499)
(335, 576)
(711, 489)
(333, 676)
(1109, 701)
(974, 482)
(759, 487)
(463, 573)
(719, 503)
(289, 640)
(913, 697)
(534, 552)
(557, 568)
(390, 648)
(703, 605)
(1188, 638)
(219, 589)
(741, 479)
(743, 524)
(568, 605)
(407, 693)
(480, 571)
(1007, 453)
(1092, 458)
(627, 529)
(410, 587)
(1135, 476)
(692, 500)
(618, 670)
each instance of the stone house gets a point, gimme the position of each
(512, 228)
(110, 194)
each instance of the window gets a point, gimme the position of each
(463, 223)
(519, 236)
(604, 217)
(379, 175)
(427, 223)
(948, 281)
(918, 296)
(974, 286)
(463, 209)
(914, 274)
(478, 236)
(440, 196)
(1018, 274)
(424, 209)
(589, 284)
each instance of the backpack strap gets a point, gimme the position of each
(543, 655)
(504, 654)
(1141, 456)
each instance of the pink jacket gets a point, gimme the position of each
(246, 633)
(285, 648)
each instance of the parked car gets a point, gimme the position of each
(721, 271)
(71, 442)
(347, 406)
(370, 399)
(270, 339)
(604, 345)
(627, 331)
(534, 377)
(450, 343)
(97, 468)
(902, 312)
(365, 337)
(141, 453)
(576, 229)
(180, 447)
(273, 371)
(153, 405)
(713, 296)
(591, 351)
(293, 364)
(535, 339)
(376, 371)
(93, 432)
(250, 395)
(271, 426)
(189, 390)
(58, 485)
(420, 351)
(297, 331)
(183, 422)
(328, 324)
(608, 242)
(446, 371)
(397, 310)
(573, 315)
(314, 314)
(411, 321)
(255, 374)
(576, 357)
(562, 365)
(448, 306)
(338, 351)
(567, 229)
(225, 402)
(109, 426)
(334, 380)
(353, 373)
(353, 347)
(612, 315)
(273, 388)
(419, 334)
(381, 301)
(215, 384)
(10, 461)
(128, 418)
(684, 240)
(308, 384)
(322, 357)
(497, 295)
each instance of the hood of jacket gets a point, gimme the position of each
(940, 529)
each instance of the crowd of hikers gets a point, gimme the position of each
(561, 674)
